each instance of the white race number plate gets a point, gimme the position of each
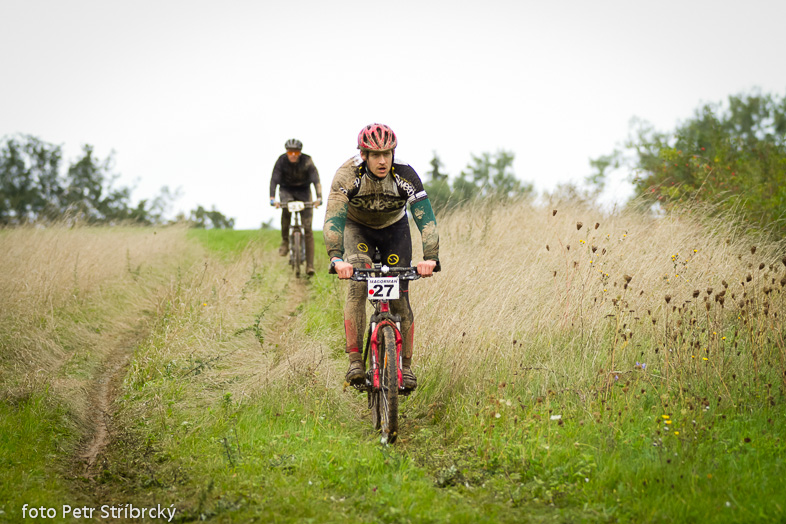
(383, 288)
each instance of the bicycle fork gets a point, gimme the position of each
(374, 339)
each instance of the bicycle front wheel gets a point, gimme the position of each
(297, 258)
(388, 397)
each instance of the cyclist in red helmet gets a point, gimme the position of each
(367, 211)
(293, 174)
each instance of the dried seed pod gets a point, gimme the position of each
(709, 291)
(696, 293)
(597, 225)
(547, 247)
(753, 250)
(667, 298)
(554, 212)
(627, 278)
(578, 225)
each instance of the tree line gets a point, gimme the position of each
(36, 187)
(730, 156)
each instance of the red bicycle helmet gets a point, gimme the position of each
(376, 137)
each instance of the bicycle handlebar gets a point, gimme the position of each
(404, 273)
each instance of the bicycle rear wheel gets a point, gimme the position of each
(297, 259)
(388, 394)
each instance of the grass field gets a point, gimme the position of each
(573, 367)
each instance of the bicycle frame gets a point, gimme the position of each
(382, 317)
(296, 234)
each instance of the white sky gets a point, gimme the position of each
(202, 95)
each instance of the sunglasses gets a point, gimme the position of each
(293, 153)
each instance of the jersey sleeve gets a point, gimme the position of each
(423, 214)
(275, 178)
(336, 210)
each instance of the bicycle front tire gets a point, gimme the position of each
(297, 260)
(388, 385)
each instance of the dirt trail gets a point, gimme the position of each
(106, 383)
(296, 294)
(101, 400)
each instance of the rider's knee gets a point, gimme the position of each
(359, 260)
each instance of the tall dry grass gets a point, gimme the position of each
(71, 295)
(565, 295)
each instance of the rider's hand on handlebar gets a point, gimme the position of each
(343, 269)
(317, 202)
(273, 202)
(426, 267)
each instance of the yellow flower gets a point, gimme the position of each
(676, 432)
(705, 358)
(666, 417)
(204, 303)
(668, 422)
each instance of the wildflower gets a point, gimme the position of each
(666, 417)
(668, 422)
(555, 417)
(704, 358)
(204, 303)
(676, 433)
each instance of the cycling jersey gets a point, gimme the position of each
(295, 176)
(361, 197)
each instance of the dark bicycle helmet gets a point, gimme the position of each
(294, 143)
(376, 137)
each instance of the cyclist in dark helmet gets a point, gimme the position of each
(293, 174)
(367, 210)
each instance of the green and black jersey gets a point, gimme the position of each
(363, 198)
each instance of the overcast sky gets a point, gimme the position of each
(202, 95)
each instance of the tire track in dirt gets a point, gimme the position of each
(101, 396)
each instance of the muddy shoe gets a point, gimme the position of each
(356, 373)
(410, 380)
(283, 250)
(310, 271)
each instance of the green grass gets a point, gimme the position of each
(228, 242)
(37, 434)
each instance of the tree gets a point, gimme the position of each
(89, 191)
(200, 216)
(732, 156)
(486, 176)
(438, 187)
(29, 179)
(33, 189)
(492, 177)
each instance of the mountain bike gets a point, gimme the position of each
(297, 239)
(384, 382)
